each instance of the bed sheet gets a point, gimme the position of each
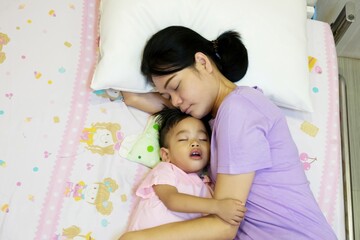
(317, 134)
(61, 174)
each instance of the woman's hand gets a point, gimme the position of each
(231, 211)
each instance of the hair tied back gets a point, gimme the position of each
(215, 47)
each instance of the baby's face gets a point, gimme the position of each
(189, 145)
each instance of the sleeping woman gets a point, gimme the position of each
(253, 156)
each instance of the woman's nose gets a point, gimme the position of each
(176, 100)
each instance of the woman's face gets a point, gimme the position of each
(192, 90)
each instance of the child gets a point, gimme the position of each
(173, 190)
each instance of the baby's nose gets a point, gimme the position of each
(194, 144)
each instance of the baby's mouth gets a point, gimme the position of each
(195, 154)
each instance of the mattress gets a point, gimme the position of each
(61, 174)
(317, 134)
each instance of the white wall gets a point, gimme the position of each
(349, 45)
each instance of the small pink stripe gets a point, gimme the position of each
(54, 198)
(330, 178)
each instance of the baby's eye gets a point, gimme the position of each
(203, 139)
(182, 139)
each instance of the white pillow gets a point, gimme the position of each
(274, 32)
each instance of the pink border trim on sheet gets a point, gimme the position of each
(53, 202)
(331, 171)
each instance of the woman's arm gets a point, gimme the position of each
(230, 210)
(150, 102)
(209, 227)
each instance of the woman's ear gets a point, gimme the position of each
(164, 154)
(204, 61)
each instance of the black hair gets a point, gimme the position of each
(168, 118)
(173, 49)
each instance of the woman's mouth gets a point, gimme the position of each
(185, 110)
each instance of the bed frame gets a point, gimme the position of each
(339, 27)
(346, 164)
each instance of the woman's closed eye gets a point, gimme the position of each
(177, 87)
(166, 96)
(174, 85)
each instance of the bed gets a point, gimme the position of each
(62, 176)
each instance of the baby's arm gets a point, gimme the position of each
(210, 227)
(150, 102)
(230, 210)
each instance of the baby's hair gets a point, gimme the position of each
(173, 49)
(168, 118)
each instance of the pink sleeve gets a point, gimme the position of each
(161, 174)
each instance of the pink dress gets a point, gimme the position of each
(150, 211)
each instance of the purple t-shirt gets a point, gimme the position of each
(250, 134)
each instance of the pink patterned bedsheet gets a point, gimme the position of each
(61, 175)
(317, 134)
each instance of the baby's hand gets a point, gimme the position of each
(231, 211)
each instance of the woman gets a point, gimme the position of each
(254, 158)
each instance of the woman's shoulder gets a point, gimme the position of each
(248, 100)
(254, 94)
